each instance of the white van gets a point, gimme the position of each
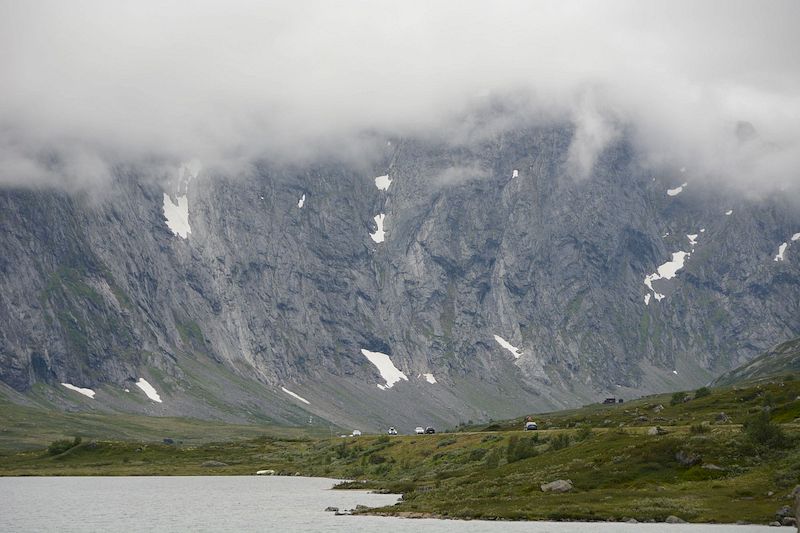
(419, 430)
(356, 433)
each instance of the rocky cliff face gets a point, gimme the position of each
(494, 282)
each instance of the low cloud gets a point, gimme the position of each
(91, 84)
(456, 175)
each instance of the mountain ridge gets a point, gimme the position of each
(488, 238)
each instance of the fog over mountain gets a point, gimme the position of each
(386, 213)
(89, 85)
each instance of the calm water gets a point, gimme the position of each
(246, 503)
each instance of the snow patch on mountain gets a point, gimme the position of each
(429, 378)
(379, 235)
(677, 190)
(149, 390)
(301, 202)
(297, 396)
(692, 238)
(729, 212)
(86, 392)
(666, 271)
(383, 182)
(390, 373)
(515, 173)
(508, 346)
(177, 215)
(781, 250)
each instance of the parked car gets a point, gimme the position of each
(356, 433)
(419, 430)
(429, 430)
(392, 431)
(531, 426)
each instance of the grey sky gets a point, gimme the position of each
(89, 83)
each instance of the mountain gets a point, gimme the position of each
(782, 359)
(432, 282)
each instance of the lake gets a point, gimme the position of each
(242, 503)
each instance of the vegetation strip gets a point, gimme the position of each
(718, 455)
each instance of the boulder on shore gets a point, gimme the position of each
(672, 519)
(265, 473)
(559, 485)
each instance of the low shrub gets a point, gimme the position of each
(678, 398)
(583, 433)
(519, 449)
(57, 447)
(493, 459)
(477, 454)
(761, 431)
(702, 392)
(376, 459)
(560, 441)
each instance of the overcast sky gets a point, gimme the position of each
(86, 84)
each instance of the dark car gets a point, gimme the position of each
(429, 430)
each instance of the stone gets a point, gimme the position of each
(331, 509)
(688, 458)
(789, 521)
(712, 466)
(213, 464)
(722, 418)
(265, 473)
(775, 524)
(658, 430)
(672, 519)
(658, 408)
(559, 485)
(797, 505)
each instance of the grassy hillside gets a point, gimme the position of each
(783, 359)
(701, 466)
(730, 405)
(33, 427)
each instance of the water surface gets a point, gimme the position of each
(243, 503)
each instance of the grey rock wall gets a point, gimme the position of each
(97, 291)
